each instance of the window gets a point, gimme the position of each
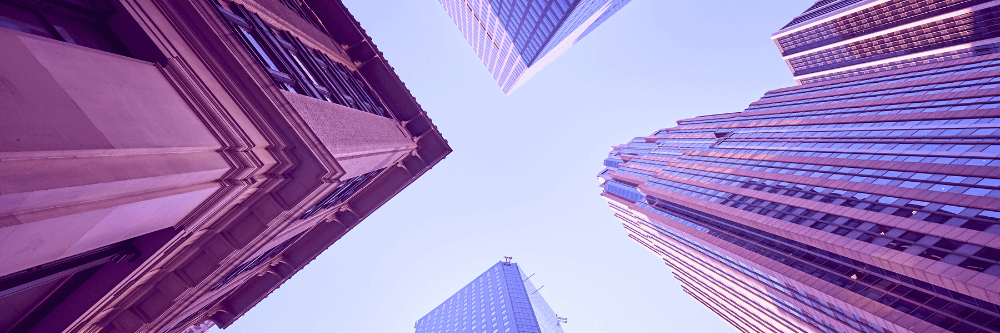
(76, 23)
(297, 68)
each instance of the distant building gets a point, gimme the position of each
(866, 199)
(200, 328)
(501, 300)
(170, 163)
(516, 39)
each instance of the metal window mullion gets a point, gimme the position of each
(352, 85)
(851, 265)
(280, 53)
(292, 66)
(237, 22)
(336, 86)
(338, 71)
(322, 73)
(308, 56)
(230, 17)
(299, 72)
(367, 92)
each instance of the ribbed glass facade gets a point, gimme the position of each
(514, 38)
(837, 39)
(860, 201)
(501, 300)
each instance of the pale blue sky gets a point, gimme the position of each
(522, 179)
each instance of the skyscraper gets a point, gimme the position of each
(516, 39)
(171, 163)
(501, 300)
(866, 199)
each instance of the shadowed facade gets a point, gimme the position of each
(167, 163)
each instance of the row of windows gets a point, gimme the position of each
(985, 218)
(819, 12)
(465, 311)
(957, 313)
(758, 312)
(874, 157)
(912, 140)
(958, 86)
(929, 106)
(865, 231)
(920, 148)
(924, 127)
(830, 310)
(954, 30)
(874, 275)
(963, 51)
(344, 191)
(251, 264)
(956, 104)
(982, 66)
(634, 221)
(916, 209)
(971, 128)
(488, 38)
(299, 69)
(879, 17)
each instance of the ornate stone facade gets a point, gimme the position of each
(164, 163)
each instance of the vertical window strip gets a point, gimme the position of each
(297, 68)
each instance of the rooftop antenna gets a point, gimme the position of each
(539, 288)
(506, 261)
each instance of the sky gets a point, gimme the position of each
(521, 181)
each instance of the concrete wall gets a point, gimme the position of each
(360, 141)
(94, 148)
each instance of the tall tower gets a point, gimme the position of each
(501, 300)
(866, 199)
(516, 39)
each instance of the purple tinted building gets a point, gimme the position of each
(866, 199)
(165, 165)
(516, 39)
(501, 300)
(840, 38)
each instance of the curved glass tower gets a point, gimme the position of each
(865, 199)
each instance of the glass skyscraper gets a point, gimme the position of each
(516, 39)
(865, 199)
(501, 300)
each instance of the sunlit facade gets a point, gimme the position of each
(516, 39)
(866, 199)
(501, 300)
(841, 38)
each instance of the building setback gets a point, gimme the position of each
(170, 163)
(866, 199)
(516, 39)
(501, 300)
